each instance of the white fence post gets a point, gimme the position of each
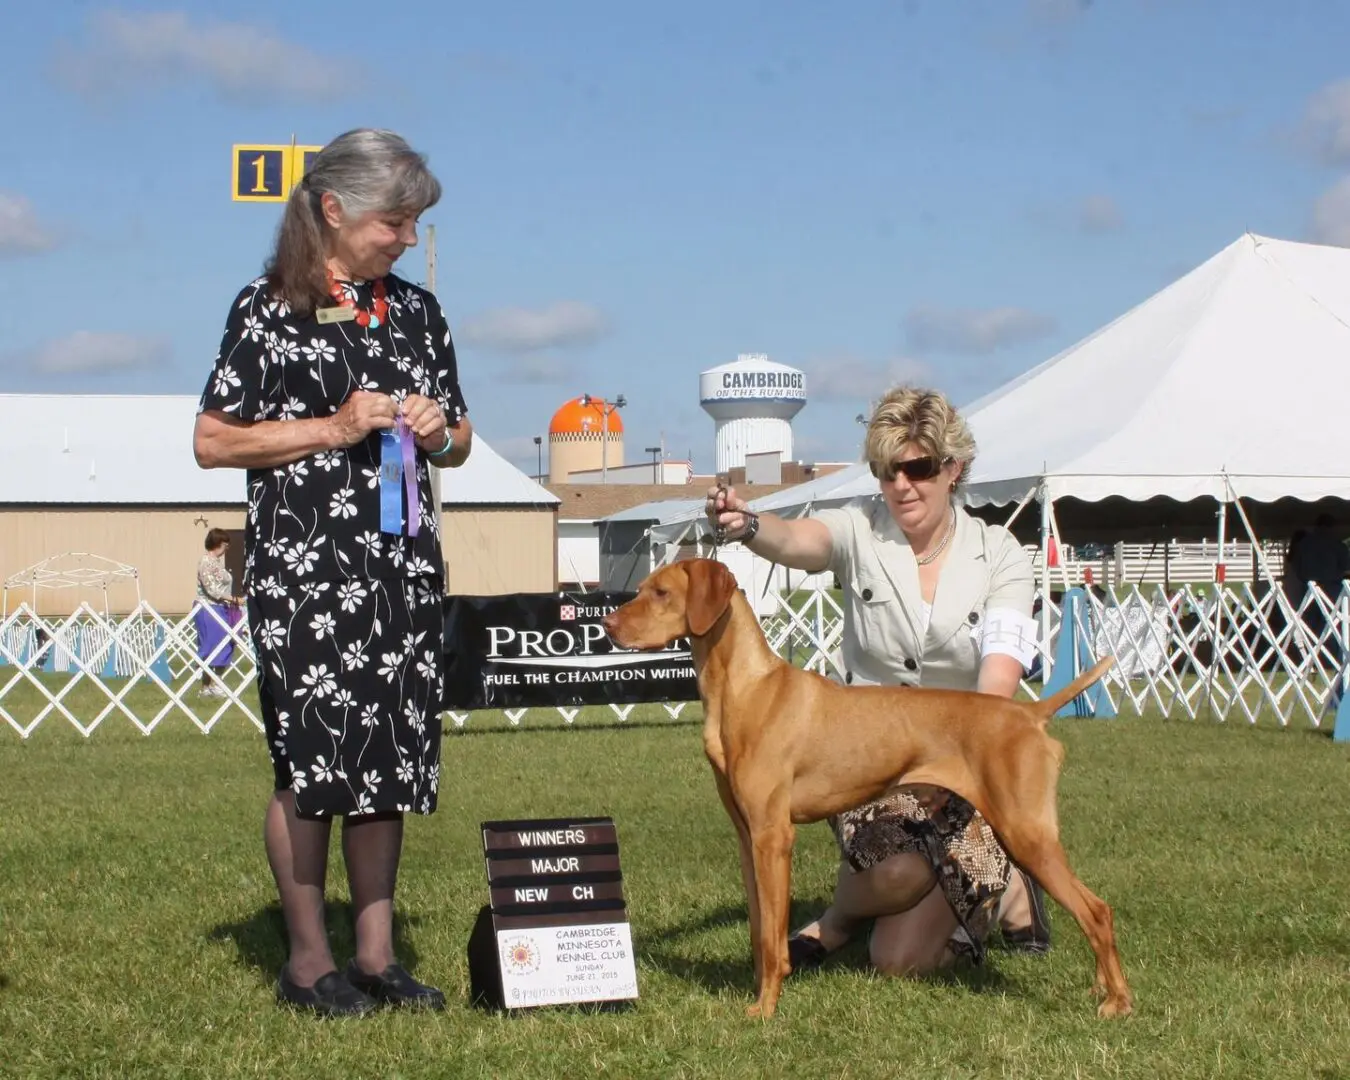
(1225, 652)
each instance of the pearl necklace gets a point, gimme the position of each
(951, 530)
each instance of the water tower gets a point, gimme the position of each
(753, 401)
(585, 434)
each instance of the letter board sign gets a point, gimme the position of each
(556, 930)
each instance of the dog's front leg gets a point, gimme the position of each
(747, 869)
(771, 838)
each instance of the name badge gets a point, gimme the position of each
(334, 314)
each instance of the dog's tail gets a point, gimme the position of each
(1047, 707)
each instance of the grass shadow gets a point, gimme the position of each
(1279, 944)
(4, 981)
(716, 973)
(260, 939)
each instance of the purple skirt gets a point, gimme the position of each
(214, 644)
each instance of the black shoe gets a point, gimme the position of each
(331, 995)
(1035, 938)
(394, 986)
(805, 953)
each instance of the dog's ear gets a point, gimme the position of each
(710, 587)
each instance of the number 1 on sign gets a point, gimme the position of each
(259, 183)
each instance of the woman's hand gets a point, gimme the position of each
(803, 544)
(727, 510)
(426, 420)
(361, 414)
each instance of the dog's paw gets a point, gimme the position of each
(1112, 1008)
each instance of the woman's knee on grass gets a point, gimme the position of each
(893, 885)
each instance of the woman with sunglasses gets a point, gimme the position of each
(932, 597)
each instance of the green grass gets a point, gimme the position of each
(139, 934)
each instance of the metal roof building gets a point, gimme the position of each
(114, 475)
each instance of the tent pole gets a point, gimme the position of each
(1031, 494)
(1220, 575)
(1047, 660)
(1059, 551)
(1220, 571)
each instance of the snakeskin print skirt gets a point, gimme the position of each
(971, 867)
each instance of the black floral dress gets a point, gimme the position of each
(346, 619)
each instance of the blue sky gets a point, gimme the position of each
(946, 191)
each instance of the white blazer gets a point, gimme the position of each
(884, 639)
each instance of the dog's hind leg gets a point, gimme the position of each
(747, 869)
(1099, 979)
(1043, 856)
(1023, 817)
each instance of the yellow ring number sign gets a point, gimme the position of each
(268, 172)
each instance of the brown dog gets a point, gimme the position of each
(790, 746)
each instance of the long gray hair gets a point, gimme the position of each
(367, 169)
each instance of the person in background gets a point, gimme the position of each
(217, 612)
(1320, 558)
(931, 597)
(336, 387)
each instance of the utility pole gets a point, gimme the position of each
(431, 259)
(435, 473)
(606, 408)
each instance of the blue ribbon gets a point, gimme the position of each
(398, 475)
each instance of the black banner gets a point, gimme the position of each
(539, 649)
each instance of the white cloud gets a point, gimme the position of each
(533, 369)
(240, 62)
(1091, 214)
(20, 231)
(1326, 122)
(519, 330)
(1099, 214)
(87, 352)
(848, 378)
(1331, 215)
(973, 330)
(1057, 10)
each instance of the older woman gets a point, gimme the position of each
(932, 597)
(336, 388)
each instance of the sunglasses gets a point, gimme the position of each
(916, 470)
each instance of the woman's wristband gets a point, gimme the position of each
(449, 444)
(751, 528)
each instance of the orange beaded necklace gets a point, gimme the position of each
(364, 318)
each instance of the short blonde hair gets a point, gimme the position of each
(908, 416)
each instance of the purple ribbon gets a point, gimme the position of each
(405, 438)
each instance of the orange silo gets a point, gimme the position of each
(586, 433)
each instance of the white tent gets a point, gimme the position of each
(1230, 383)
(133, 448)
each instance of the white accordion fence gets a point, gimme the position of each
(1199, 650)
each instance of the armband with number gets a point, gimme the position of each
(1008, 632)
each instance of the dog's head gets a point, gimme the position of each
(684, 599)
